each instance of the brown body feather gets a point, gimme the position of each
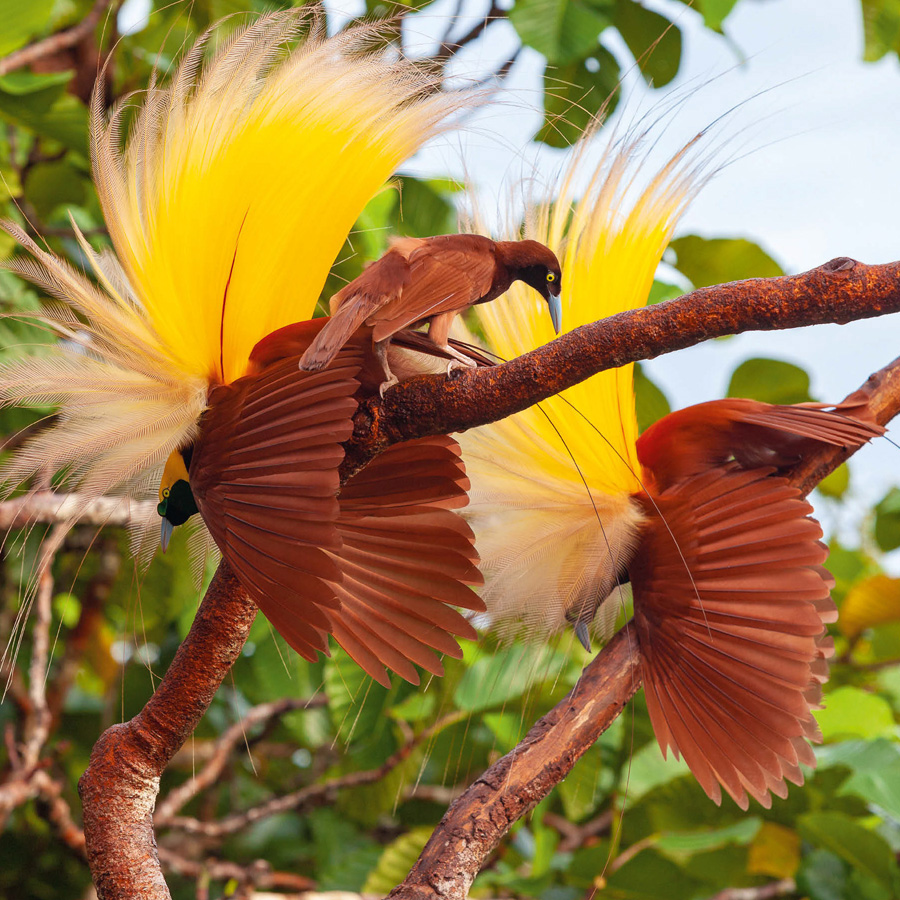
(378, 564)
(427, 280)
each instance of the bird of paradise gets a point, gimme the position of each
(725, 564)
(226, 205)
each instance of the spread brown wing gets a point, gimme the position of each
(446, 274)
(406, 560)
(380, 283)
(691, 440)
(730, 602)
(264, 473)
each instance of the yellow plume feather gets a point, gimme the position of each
(534, 510)
(233, 194)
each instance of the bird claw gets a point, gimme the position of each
(583, 635)
(389, 383)
(455, 366)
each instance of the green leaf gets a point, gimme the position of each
(395, 861)
(823, 876)
(564, 31)
(650, 403)
(851, 712)
(685, 843)
(580, 791)
(575, 94)
(355, 701)
(649, 768)
(422, 208)
(770, 380)
(880, 787)
(55, 184)
(881, 26)
(715, 12)
(642, 877)
(415, 708)
(887, 521)
(493, 680)
(836, 484)
(22, 20)
(654, 41)
(40, 105)
(708, 261)
(843, 836)
(661, 291)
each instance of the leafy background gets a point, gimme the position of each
(371, 770)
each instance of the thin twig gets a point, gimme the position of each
(37, 724)
(62, 41)
(313, 795)
(47, 506)
(207, 776)
(763, 892)
(449, 49)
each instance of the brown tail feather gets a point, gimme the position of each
(336, 332)
(405, 561)
(730, 603)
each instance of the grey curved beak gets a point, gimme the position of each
(165, 534)
(554, 304)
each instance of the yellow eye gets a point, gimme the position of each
(551, 276)
(165, 493)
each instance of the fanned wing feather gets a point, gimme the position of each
(730, 614)
(691, 440)
(264, 472)
(406, 560)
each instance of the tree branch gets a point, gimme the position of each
(838, 292)
(118, 790)
(47, 506)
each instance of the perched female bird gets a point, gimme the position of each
(432, 280)
(725, 564)
(233, 194)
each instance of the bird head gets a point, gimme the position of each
(176, 500)
(538, 267)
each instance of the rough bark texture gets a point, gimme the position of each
(119, 788)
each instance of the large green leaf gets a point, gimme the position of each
(40, 104)
(506, 674)
(564, 31)
(652, 38)
(650, 403)
(21, 20)
(851, 712)
(708, 261)
(841, 835)
(574, 94)
(881, 24)
(395, 861)
(887, 520)
(770, 380)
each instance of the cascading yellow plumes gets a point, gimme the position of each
(541, 479)
(235, 190)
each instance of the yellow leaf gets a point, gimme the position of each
(775, 851)
(873, 601)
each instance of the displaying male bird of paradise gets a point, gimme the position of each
(226, 204)
(432, 280)
(725, 563)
